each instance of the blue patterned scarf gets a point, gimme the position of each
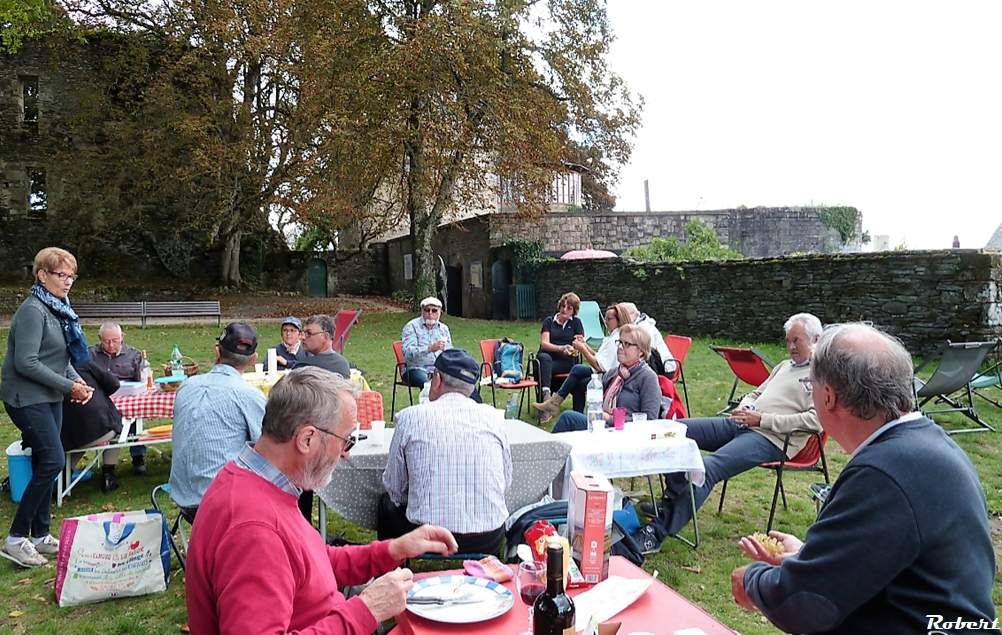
(76, 342)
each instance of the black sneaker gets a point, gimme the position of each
(647, 538)
(109, 482)
(139, 466)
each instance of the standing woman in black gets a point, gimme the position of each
(45, 341)
(556, 341)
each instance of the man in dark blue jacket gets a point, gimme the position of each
(902, 544)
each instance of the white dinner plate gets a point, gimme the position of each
(497, 600)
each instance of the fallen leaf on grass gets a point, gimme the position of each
(15, 614)
(39, 598)
(691, 569)
(183, 628)
(108, 507)
(24, 581)
(50, 582)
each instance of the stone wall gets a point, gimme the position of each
(463, 246)
(758, 232)
(923, 297)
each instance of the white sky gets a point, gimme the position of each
(894, 107)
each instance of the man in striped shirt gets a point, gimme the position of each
(449, 462)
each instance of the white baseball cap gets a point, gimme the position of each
(431, 300)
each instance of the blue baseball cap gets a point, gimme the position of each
(455, 362)
(293, 321)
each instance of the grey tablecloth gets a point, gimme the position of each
(537, 457)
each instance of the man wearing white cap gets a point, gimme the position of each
(424, 338)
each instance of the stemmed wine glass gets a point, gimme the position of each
(530, 582)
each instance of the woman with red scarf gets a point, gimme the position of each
(632, 384)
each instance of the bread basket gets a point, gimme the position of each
(190, 367)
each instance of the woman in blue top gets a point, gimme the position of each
(45, 341)
(556, 340)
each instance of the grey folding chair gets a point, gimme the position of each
(950, 382)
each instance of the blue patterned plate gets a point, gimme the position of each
(496, 599)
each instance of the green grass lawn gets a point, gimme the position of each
(26, 599)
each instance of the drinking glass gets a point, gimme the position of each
(530, 582)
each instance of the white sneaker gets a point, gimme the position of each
(23, 553)
(47, 546)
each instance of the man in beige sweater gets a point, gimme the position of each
(753, 433)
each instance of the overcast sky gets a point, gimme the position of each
(893, 107)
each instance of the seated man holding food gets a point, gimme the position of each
(754, 433)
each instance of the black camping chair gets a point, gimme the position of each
(950, 383)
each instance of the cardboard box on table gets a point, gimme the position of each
(589, 524)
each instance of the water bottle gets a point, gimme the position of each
(176, 366)
(423, 397)
(145, 372)
(511, 408)
(593, 408)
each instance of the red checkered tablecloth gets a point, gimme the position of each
(154, 404)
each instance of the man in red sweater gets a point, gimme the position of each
(255, 565)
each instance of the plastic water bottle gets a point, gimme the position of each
(145, 372)
(511, 408)
(176, 365)
(593, 407)
(423, 397)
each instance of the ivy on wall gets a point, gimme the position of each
(841, 219)
(526, 256)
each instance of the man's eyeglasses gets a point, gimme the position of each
(430, 309)
(311, 333)
(625, 344)
(72, 277)
(349, 442)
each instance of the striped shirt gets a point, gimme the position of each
(450, 463)
(215, 415)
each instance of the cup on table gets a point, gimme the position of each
(259, 368)
(619, 418)
(376, 432)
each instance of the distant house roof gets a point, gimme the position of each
(995, 243)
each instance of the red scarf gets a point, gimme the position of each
(612, 392)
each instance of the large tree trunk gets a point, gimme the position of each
(230, 272)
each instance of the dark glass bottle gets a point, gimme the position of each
(553, 612)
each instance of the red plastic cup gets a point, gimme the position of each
(619, 418)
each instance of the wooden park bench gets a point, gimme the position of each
(110, 310)
(206, 308)
(144, 310)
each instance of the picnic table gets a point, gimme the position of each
(659, 610)
(135, 408)
(537, 457)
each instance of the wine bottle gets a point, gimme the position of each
(553, 611)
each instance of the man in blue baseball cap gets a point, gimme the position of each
(290, 351)
(449, 462)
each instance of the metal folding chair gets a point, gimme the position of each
(343, 323)
(487, 348)
(807, 459)
(399, 372)
(160, 499)
(748, 365)
(679, 346)
(950, 382)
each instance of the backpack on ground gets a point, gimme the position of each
(508, 361)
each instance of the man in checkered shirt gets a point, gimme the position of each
(449, 462)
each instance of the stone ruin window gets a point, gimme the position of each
(38, 200)
(29, 100)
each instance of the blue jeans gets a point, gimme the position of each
(571, 421)
(416, 377)
(735, 450)
(576, 384)
(40, 425)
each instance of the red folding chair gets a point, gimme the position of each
(487, 348)
(398, 378)
(748, 365)
(805, 460)
(370, 408)
(679, 346)
(343, 322)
